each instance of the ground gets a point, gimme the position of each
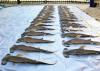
(92, 11)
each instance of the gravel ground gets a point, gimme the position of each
(93, 12)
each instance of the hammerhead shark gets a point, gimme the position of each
(76, 35)
(81, 41)
(18, 59)
(80, 51)
(33, 40)
(44, 28)
(74, 25)
(42, 25)
(32, 33)
(29, 49)
(38, 28)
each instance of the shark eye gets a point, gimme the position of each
(4, 62)
(65, 49)
(22, 35)
(11, 50)
(8, 55)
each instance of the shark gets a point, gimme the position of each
(81, 41)
(24, 60)
(29, 49)
(33, 40)
(80, 51)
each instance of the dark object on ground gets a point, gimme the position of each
(92, 3)
(18, 1)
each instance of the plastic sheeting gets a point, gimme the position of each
(18, 18)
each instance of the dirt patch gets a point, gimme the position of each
(94, 12)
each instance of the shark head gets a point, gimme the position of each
(66, 53)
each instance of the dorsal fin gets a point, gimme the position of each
(82, 47)
(89, 39)
(19, 55)
(38, 24)
(78, 36)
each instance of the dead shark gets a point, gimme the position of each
(29, 49)
(44, 28)
(81, 41)
(76, 35)
(17, 59)
(80, 51)
(43, 25)
(33, 40)
(32, 33)
(31, 28)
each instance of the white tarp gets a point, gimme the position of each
(14, 20)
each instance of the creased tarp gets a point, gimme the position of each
(13, 22)
(25, 15)
(85, 63)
